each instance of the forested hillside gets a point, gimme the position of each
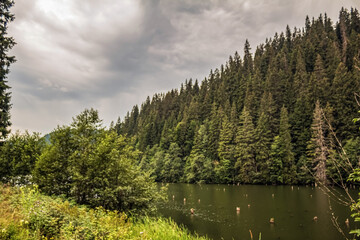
(263, 117)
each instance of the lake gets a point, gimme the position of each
(293, 209)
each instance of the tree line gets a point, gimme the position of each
(267, 118)
(84, 162)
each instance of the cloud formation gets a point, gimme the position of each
(111, 55)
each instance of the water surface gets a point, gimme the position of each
(293, 209)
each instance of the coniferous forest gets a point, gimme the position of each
(285, 112)
(276, 115)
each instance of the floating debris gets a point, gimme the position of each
(192, 211)
(248, 205)
(315, 218)
(272, 220)
(347, 222)
(238, 209)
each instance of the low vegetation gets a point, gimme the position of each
(27, 214)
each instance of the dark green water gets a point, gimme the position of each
(293, 209)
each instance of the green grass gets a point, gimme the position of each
(27, 214)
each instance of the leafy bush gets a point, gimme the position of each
(26, 214)
(18, 156)
(96, 167)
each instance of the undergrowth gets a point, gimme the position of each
(27, 214)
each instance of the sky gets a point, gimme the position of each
(111, 54)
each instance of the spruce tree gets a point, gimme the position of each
(275, 162)
(282, 150)
(248, 61)
(199, 165)
(319, 82)
(342, 99)
(226, 152)
(214, 131)
(173, 167)
(288, 157)
(6, 44)
(245, 149)
(264, 137)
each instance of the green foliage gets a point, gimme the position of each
(355, 207)
(292, 70)
(27, 214)
(245, 151)
(6, 44)
(95, 167)
(18, 157)
(173, 164)
(226, 151)
(275, 162)
(51, 171)
(281, 164)
(199, 167)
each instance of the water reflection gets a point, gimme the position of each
(229, 212)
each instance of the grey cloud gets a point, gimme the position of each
(112, 54)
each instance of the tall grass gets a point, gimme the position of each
(27, 214)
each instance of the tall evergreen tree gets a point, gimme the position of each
(6, 44)
(319, 82)
(245, 149)
(264, 134)
(342, 99)
(199, 165)
(226, 152)
(282, 151)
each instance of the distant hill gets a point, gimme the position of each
(254, 120)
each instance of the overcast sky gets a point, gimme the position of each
(112, 54)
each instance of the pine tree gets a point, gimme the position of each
(288, 157)
(173, 167)
(248, 61)
(245, 149)
(214, 131)
(6, 44)
(302, 111)
(342, 99)
(199, 165)
(275, 162)
(319, 82)
(263, 137)
(226, 152)
(282, 151)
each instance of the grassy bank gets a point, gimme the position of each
(27, 214)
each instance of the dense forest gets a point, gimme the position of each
(287, 114)
(276, 116)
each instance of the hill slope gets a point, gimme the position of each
(262, 118)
